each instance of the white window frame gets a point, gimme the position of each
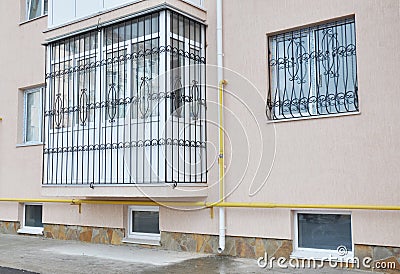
(140, 237)
(30, 229)
(40, 137)
(315, 253)
(28, 8)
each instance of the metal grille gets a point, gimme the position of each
(313, 71)
(125, 104)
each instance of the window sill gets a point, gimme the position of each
(33, 19)
(314, 117)
(143, 241)
(321, 255)
(31, 230)
(29, 144)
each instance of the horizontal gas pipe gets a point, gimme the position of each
(203, 204)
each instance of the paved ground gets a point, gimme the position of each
(20, 254)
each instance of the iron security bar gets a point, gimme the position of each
(313, 71)
(111, 104)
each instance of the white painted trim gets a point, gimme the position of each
(314, 253)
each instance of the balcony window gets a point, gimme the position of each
(36, 8)
(313, 71)
(113, 114)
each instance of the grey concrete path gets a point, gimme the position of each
(41, 255)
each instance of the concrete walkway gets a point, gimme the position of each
(41, 255)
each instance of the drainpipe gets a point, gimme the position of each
(221, 83)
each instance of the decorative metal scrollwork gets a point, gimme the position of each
(177, 97)
(196, 100)
(329, 44)
(313, 71)
(83, 107)
(58, 110)
(144, 97)
(112, 105)
(106, 123)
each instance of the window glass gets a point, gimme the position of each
(33, 215)
(87, 90)
(145, 78)
(324, 231)
(46, 6)
(313, 71)
(33, 116)
(145, 222)
(116, 84)
(34, 8)
(177, 77)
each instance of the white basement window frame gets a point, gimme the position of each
(27, 228)
(345, 255)
(141, 237)
(33, 113)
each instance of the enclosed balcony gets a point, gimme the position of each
(125, 104)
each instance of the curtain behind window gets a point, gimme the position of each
(34, 8)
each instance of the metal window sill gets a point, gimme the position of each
(29, 144)
(314, 117)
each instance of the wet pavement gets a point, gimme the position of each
(39, 255)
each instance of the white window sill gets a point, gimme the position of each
(143, 241)
(33, 19)
(31, 230)
(29, 144)
(322, 255)
(314, 117)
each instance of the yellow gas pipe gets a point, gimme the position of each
(205, 204)
(221, 161)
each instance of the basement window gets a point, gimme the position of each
(323, 236)
(32, 219)
(143, 225)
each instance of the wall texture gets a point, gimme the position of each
(342, 160)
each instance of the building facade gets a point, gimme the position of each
(111, 125)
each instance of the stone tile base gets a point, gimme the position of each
(380, 254)
(250, 247)
(98, 235)
(9, 227)
(245, 247)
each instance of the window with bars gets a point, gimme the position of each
(313, 71)
(111, 104)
